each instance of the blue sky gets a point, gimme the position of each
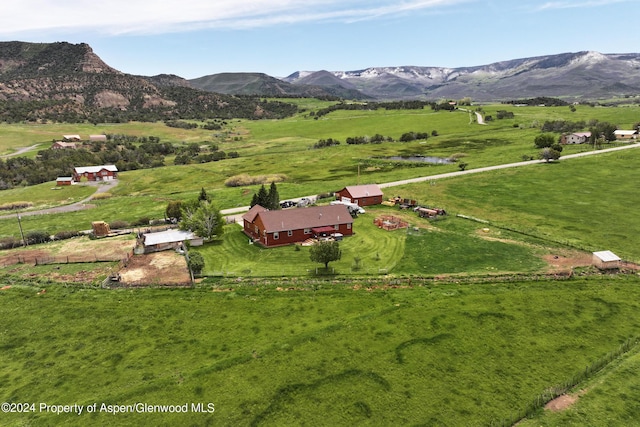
(193, 38)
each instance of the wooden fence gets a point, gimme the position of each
(65, 259)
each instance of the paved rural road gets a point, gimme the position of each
(235, 214)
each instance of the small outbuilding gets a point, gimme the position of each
(98, 138)
(606, 260)
(626, 135)
(168, 240)
(64, 180)
(361, 195)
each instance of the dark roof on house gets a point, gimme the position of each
(300, 218)
(369, 190)
(253, 212)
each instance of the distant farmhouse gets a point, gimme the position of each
(361, 195)
(625, 135)
(283, 227)
(71, 138)
(95, 173)
(61, 145)
(576, 138)
(583, 137)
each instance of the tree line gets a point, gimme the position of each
(375, 139)
(189, 104)
(390, 105)
(126, 152)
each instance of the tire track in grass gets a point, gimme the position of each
(287, 393)
(162, 383)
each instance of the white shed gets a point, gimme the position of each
(169, 239)
(605, 260)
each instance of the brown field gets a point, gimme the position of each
(76, 250)
(166, 268)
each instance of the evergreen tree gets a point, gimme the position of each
(254, 200)
(263, 197)
(274, 197)
(203, 197)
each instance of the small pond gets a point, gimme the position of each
(424, 159)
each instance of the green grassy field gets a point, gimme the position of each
(429, 251)
(581, 202)
(435, 355)
(358, 348)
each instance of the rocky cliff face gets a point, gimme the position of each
(69, 82)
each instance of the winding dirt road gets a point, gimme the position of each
(101, 187)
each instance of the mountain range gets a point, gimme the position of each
(69, 81)
(585, 76)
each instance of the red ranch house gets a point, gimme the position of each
(283, 227)
(95, 173)
(361, 195)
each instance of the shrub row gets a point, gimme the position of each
(15, 205)
(244, 179)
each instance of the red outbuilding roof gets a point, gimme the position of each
(369, 190)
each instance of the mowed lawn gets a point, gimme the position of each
(323, 354)
(423, 249)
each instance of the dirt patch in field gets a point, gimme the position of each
(564, 402)
(561, 403)
(79, 249)
(161, 268)
(565, 262)
(90, 275)
(111, 247)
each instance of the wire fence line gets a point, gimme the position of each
(65, 259)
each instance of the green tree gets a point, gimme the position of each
(544, 140)
(204, 197)
(549, 154)
(174, 210)
(324, 252)
(262, 198)
(196, 262)
(254, 200)
(274, 197)
(206, 221)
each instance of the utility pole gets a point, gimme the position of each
(24, 242)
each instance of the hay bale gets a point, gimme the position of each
(100, 228)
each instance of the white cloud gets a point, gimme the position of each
(578, 4)
(161, 16)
